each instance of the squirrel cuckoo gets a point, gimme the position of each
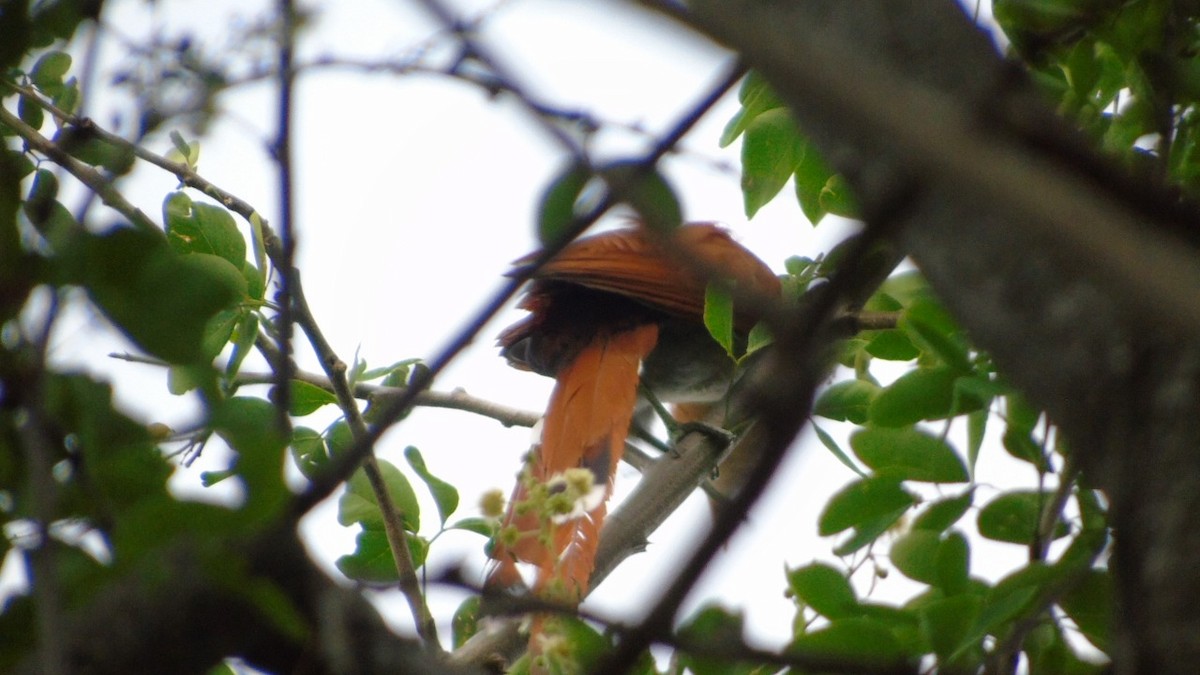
(608, 312)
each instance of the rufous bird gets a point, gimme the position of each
(608, 312)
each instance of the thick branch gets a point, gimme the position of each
(1081, 282)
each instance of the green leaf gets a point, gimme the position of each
(811, 177)
(915, 554)
(1014, 516)
(358, 503)
(760, 337)
(465, 623)
(837, 198)
(856, 640)
(861, 501)
(941, 515)
(718, 315)
(953, 564)
(444, 494)
(825, 589)
(30, 112)
(933, 329)
(977, 422)
(307, 398)
(218, 331)
(837, 451)
(756, 97)
(946, 622)
(67, 97)
(867, 532)
(770, 154)
(908, 454)
(921, 394)
(847, 401)
(712, 625)
(308, 451)
(251, 427)
(580, 645)
(194, 227)
(244, 335)
(892, 345)
(161, 300)
(84, 145)
(556, 211)
(1090, 605)
(482, 526)
(48, 71)
(339, 438)
(647, 192)
(372, 561)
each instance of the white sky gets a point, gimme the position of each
(414, 193)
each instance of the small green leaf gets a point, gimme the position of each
(945, 622)
(837, 198)
(756, 97)
(444, 494)
(67, 97)
(941, 515)
(557, 209)
(161, 300)
(647, 192)
(861, 501)
(847, 401)
(909, 454)
(194, 227)
(892, 345)
(931, 327)
(760, 337)
(48, 71)
(307, 398)
(770, 154)
(339, 438)
(953, 564)
(465, 622)
(372, 561)
(244, 335)
(581, 645)
(857, 640)
(88, 148)
(915, 555)
(708, 626)
(867, 532)
(811, 177)
(825, 589)
(30, 112)
(977, 422)
(218, 331)
(1014, 516)
(921, 394)
(251, 427)
(837, 451)
(483, 526)
(358, 503)
(1089, 603)
(308, 451)
(718, 315)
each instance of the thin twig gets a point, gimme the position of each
(90, 177)
(393, 522)
(282, 151)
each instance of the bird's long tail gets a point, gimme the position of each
(558, 507)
